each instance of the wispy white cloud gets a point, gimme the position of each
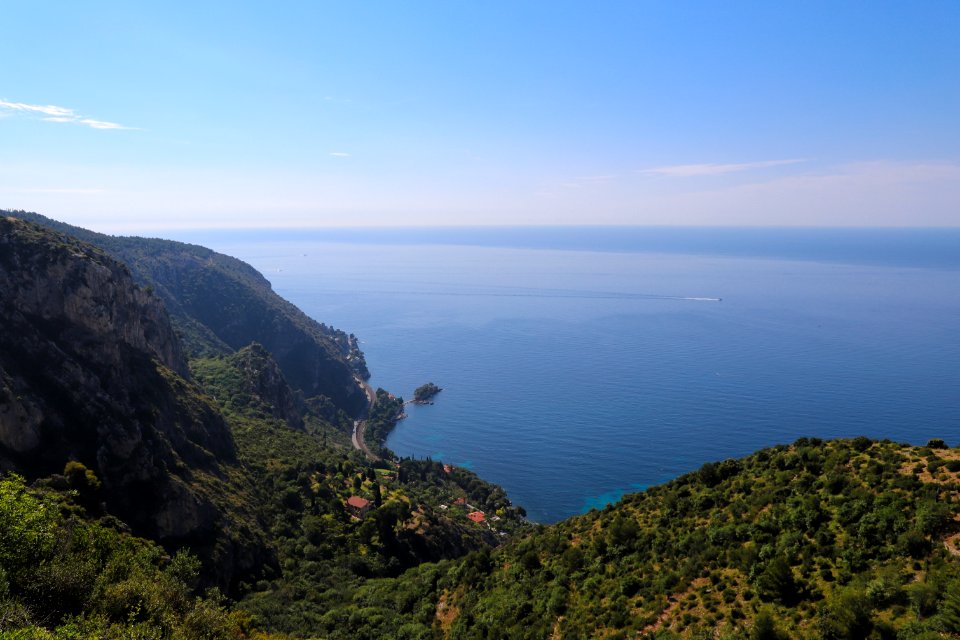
(691, 170)
(49, 110)
(339, 154)
(54, 113)
(100, 124)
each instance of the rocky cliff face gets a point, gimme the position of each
(220, 305)
(55, 280)
(91, 370)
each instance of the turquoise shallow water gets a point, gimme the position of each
(575, 374)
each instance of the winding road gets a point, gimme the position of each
(360, 426)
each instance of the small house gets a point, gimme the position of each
(477, 516)
(358, 506)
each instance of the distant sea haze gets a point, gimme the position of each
(582, 363)
(931, 247)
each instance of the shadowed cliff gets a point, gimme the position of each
(220, 304)
(92, 371)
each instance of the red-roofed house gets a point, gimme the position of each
(460, 501)
(447, 468)
(477, 516)
(358, 506)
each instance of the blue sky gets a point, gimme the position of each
(123, 117)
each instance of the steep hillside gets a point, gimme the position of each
(91, 372)
(65, 575)
(418, 510)
(843, 539)
(220, 304)
(250, 381)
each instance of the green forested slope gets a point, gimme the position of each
(64, 575)
(303, 479)
(842, 539)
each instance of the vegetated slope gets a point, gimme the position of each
(304, 476)
(65, 575)
(251, 381)
(90, 372)
(842, 539)
(220, 304)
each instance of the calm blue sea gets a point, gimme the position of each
(580, 364)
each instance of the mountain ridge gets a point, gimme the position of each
(220, 305)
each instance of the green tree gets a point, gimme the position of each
(765, 627)
(777, 581)
(85, 482)
(847, 616)
(950, 608)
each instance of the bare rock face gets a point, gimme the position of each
(219, 305)
(78, 331)
(91, 370)
(70, 283)
(19, 419)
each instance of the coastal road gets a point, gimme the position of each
(360, 426)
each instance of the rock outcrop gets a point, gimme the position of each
(220, 305)
(92, 371)
(264, 382)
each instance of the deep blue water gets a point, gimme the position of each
(579, 364)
